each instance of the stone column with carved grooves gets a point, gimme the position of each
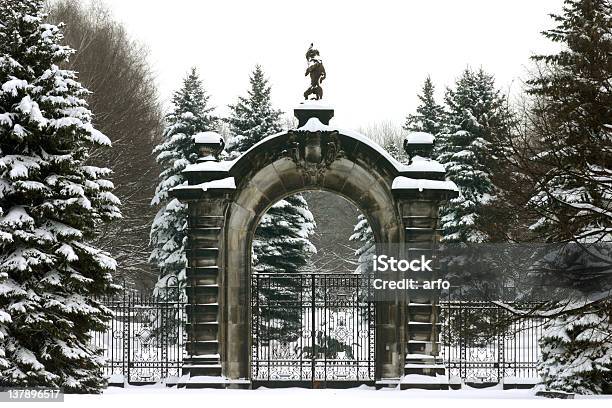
(420, 188)
(203, 280)
(207, 195)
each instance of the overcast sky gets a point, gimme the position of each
(376, 53)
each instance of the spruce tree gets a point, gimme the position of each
(190, 114)
(252, 117)
(470, 146)
(573, 122)
(51, 204)
(281, 243)
(571, 169)
(362, 234)
(429, 114)
(576, 351)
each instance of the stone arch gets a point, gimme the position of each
(227, 199)
(269, 183)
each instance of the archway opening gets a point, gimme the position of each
(311, 318)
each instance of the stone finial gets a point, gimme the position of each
(210, 145)
(419, 144)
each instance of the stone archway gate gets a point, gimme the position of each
(226, 201)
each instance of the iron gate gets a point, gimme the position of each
(312, 328)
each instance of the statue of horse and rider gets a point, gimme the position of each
(316, 70)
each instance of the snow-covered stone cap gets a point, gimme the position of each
(314, 105)
(210, 145)
(227, 183)
(208, 138)
(222, 185)
(419, 138)
(407, 183)
(425, 165)
(209, 166)
(419, 144)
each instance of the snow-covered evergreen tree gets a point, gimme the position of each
(281, 243)
(577, 352)
(469, 146)
(252, 117)
(574, 106)
(572, 171)
(51, 203)
(362, 233)
(190, 115)
(429, 114)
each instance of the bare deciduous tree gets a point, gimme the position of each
(389, 135)
(126, 106)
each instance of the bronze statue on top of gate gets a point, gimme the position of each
(316, 70)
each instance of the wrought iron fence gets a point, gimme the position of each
(485, 343)
(330, 338)
(144, 340)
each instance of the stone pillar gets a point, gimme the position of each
(389, 343)
(204, 280)
(420, 188)
(207, 195)
(420, 218)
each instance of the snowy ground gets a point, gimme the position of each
(160, 396)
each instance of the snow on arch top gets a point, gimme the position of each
(315, 125)
(409, 177)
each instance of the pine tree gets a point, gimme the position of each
(573, 122)
(281, 244)
(429, 114)
(577, 352)
(253, 117)
(572, 172)
(190, 115)
(51, 204)
(362, 233)
(470, 146)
